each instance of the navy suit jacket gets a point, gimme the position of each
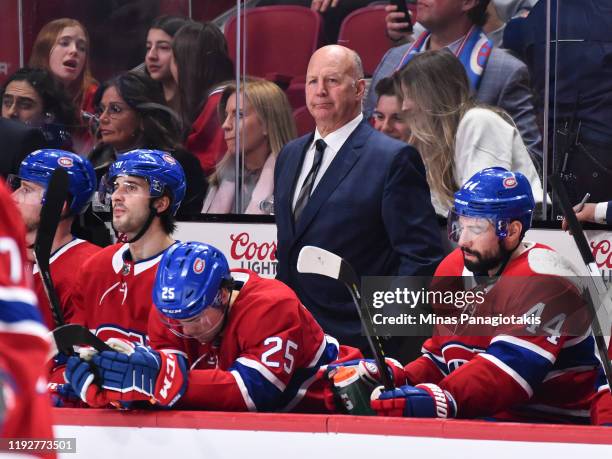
(372, 207)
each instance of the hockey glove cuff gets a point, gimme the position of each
(420, 401)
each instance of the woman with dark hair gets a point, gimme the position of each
(200, 64)
(34, 97)
(159, 55)
(132, 114)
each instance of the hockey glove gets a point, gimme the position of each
(420, 401)
(144, 374)
(80, 375)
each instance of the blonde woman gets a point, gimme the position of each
(266, 125)
(456, 137)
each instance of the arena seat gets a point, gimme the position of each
(304, 121)
(277, 41)
(364, 32)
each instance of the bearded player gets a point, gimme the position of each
(543, 372)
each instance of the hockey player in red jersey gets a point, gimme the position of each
(543, 373)
(67, 252)
(113, 289)
(24, 404)
(221, 340)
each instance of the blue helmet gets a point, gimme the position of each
(39, 165)
(189, 278)
(159, 168)
(498, 195)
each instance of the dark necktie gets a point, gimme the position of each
(306, 190)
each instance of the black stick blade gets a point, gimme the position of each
(50, 215)
(71, 335)
(315, 260)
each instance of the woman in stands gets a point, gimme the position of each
(266, 124)
(62, 47)
(159, 55)
(132, 114)
(34, 97)
(456, 137)
(199, 66)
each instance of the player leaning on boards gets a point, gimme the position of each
(67, 251)
(220, 340)
(113, 289)
(540, 374)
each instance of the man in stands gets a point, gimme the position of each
(68, 253)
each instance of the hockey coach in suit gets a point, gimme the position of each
(352, 190)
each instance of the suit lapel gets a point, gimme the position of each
(292, 171)
(335, 173)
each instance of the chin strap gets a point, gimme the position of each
(122, 237)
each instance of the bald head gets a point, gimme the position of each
(342, 56)
(334, 87)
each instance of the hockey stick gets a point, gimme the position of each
(50, 214)
(314, 260)
(64, 339)
(605, 312)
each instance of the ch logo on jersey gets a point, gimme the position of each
(198, 265)
(510, 182)
(65, 161)
(169, 159)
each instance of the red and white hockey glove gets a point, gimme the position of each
(420, 401)
(136, 373)
(143, 374)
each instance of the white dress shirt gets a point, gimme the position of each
(334, 141)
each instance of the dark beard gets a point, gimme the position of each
(484, 264)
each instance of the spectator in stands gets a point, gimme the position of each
(500, 79)
(581, 75)
(133, 115)
(159, 55)
(266, 125)
(199, 88)
(33, 97)
(62, 47)
(499, 12)
(388, 116)
(333, 12)
(456, 137)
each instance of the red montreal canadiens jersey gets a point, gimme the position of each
(113, 295)
(268, 358)
(65, 263)
(601, 410)
(544, 372)
(25, 409)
